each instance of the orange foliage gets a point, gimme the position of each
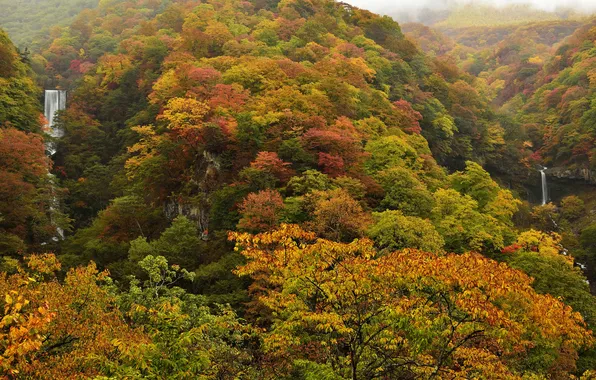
(261, 211)
(54, 330)
(409, 312)
(271, 163)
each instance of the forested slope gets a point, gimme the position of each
(28, 22)
(26, 212)
(561, 107)
(261, 101)
(303, 164)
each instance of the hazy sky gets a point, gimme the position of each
(383, 6)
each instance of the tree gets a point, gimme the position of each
(588, 237)
(544, 217)
(338, 216)
(23, 163)
(28, 195)
(106, 241)
(271, 163)
(19, 105)
(572, 207)
(405, 314)
(553, 275)
(475, 182)
(548, 244)
(405, 192)
(180, 244)
(337, 147)
(392, 230)
(542, 257)
(310, 180)
(464, 228)
(503, 207)
(353, 186)
(261, 211)
(56, 329)
(187, 338)
(391, 151)
(184, 113)
(409, 118)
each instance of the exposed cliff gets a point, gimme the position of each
(579, 173)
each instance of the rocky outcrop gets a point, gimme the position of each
(173, 208)
(195, 204)
(579, 174)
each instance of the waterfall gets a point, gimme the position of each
(544, 186)
(55, 100)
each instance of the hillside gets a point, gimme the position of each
(27, 218)
(560, 107)
(18, 92)
(28, 22)
(279, 190)
(480, 15)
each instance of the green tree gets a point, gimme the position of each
(389, 152)
(475, 182)
(405, 192)
(392, 230)
(180, 244)
(19, 105)
(187, 339)
(458, 220)
(310, 180)
(572, 207)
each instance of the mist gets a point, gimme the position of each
(402, 6)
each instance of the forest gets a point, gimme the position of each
(295, 189)
(31, 23)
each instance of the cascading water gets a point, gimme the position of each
(544, 186)
(55, 100)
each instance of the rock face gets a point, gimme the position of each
(195, 205)
(581, 174)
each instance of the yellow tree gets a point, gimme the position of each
(52, 329)
(407, 314)
(337, 215)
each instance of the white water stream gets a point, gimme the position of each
(55, 100)
(544, 186)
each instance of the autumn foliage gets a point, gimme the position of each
(341, 305)
(295, 190)
(59, 329)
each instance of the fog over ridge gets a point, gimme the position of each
(384, 6)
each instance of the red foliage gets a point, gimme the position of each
(197, 81)
(341, 141)
(410, 118)
(331, 165)
(290, 68)
(552, 98)
(583, 147)
(22, 164)
(288, 28)
(350, 50)
(536, 157)
(227, 96)
(261, 211)
(271, 163)
(511, 249)
(22, 153)
(204, 75)
(75, 65)
(345, 125)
